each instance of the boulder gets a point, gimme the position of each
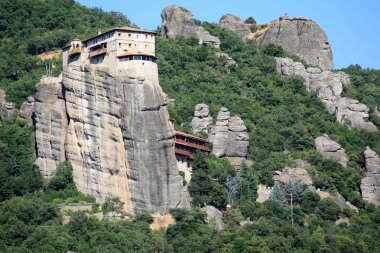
(202, 120)
(328, 86)
(301, 37)
(8, 110)
(297, 172)
(179, 21)
(370, 184)
(235, 24)
(213, 213)
(26, 110)
(331, 149)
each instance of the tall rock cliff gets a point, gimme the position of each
(179, 21)
(50, 121)
(328, 86)
(299, 36)
(115, 130)
(370, 185)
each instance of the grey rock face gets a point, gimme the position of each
(295, 173)
(231, 63)
(8, 110)
(328, 86)
(331, 149)
(370, 184)
(202, 119)
(50, 121)
(213, 213)
(119, 138)
(230, 138)
(179, 21)
(115, 131)
(302, 37)
(26, 110)
(236, 25)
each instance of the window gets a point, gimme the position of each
(119, 44)
(129, 35)
(146, 36)
(145, 58)
(137, 57)
(119, 34)
(130, 45)
(137, 36)
(130, 57)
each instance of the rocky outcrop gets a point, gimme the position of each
(236, 25)
(370, 184)
(231, 63)
(230, 138)
(329, 86)
(202, 120)
(302, 37)
(213, 213)
(115, 131)
(331, 149)
(179, 21)
(297, 172)
(50, 121)
(8, 110)
(119, 142)
(26, 110)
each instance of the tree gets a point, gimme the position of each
(113, 205)
(63, 178)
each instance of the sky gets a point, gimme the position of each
(352, 26)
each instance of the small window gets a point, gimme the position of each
(129, 35)
(119, 34)
(119, 44)
(137, 36)
(146, 36)
(130, 45)
(130, 57)
(146, 45)
(137, 57)
(145, 58)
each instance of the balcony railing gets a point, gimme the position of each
(98, 52)
(74, 51)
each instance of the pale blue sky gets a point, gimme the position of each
(352, 26)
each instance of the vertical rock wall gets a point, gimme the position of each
(50, 121)
(370, 185)
(115, 131)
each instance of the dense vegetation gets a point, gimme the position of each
(31, 27)
(282, 117)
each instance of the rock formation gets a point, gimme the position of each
(328, 86)
(302, 37)
(26, 110)
(230, 138)
(295, 173)
(119, 142)
(331, 149)
(370, 185)
(8, 110)
(50, 121)
(213, 213)
(202, 120)
(236, 25)
(231, 63)
(179, 21)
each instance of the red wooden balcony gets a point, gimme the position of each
(97, 52)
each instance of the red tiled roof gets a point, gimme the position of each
(190, 136)
(125, 28)
(135, 53)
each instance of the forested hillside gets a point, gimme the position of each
(283, 120)
(31, 27)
